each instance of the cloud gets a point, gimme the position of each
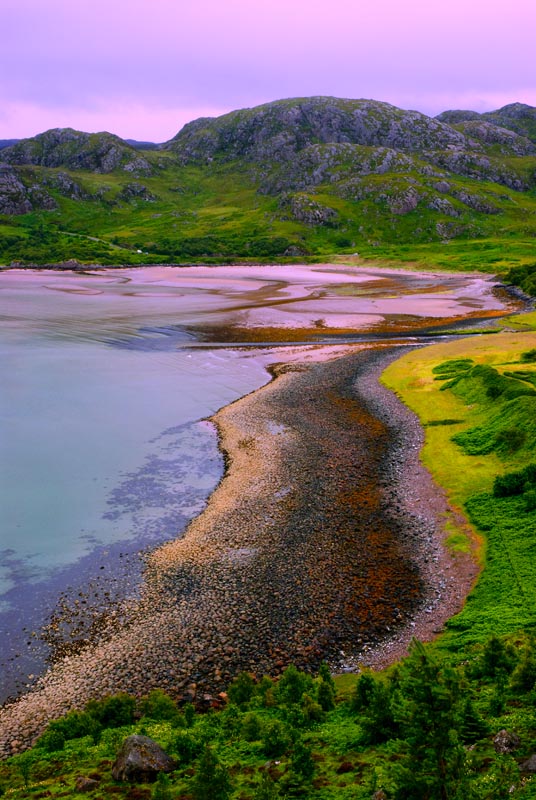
(84, 59)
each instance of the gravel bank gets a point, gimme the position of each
(323, 541)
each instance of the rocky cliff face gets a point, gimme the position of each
(67, 148)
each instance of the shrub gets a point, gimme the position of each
(312, 711)
(113, 712)
(364, 692)
(529, 355)
(162, 788)
(76, 724)
(511, 483)
(265, 692)
(241, 689)
(185, 745)
(159, 706)
(325, 695)
(530, 473)
(266, 788)
(497, 658)
(51, 740)
(510, 439)
(251, 727)
(530, 500)
(292, 685)
(524, 676)
(189, 714)
(276, 738)
(211, 779)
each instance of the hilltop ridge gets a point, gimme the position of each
(290, 178)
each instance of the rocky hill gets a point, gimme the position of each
(516, 117)
(65, 147)
(288, 178)
(282, 129)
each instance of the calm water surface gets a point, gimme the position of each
(103, 451)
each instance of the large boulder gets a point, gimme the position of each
(506, 742)
(140, 759)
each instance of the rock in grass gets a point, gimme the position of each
(140, 759)
(529, 765)
(506, 742)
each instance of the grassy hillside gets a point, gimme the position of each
(295, 179)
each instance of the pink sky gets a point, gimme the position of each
(143, 68)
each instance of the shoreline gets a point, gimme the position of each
(260, 578)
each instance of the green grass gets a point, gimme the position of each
(470, 385)
(222, 212)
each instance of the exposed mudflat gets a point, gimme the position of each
(323, 541)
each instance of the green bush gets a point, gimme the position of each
(312, 711)
(114, 711)
(292, 685)
(159, 706)
(241, 689)
(325, 695)
(529, 355)
(530, 500)
(251, 727)
(162, 788)
(51, 741)
(524, 676)
(75, 725)
(185, 746)
(510, 439)
(211, 779)
(511, 483)
(497, 658)
(276, 738)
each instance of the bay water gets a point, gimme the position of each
(103, 447)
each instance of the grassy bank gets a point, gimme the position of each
(477, 401)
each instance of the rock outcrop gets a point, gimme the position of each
(14, 197)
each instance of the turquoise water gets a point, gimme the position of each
(102, 445)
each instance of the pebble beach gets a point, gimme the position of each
(323, 541)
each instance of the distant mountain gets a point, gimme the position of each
(7, 143)
(289, 178)
(142, 145)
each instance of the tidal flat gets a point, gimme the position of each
(303, 584)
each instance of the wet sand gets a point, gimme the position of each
(323, 541)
